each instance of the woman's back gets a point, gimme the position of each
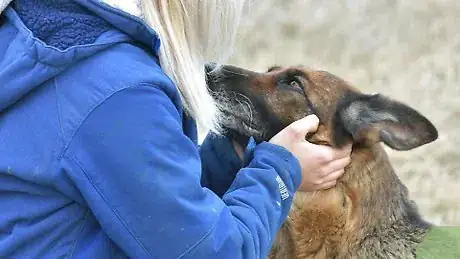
(56, 81)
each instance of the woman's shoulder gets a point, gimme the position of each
(123, 65)
(89, 83)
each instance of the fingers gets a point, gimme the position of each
(332, 176)
(326, 185)
(300, 128)
(325, 154)
(330, 180)
(335, 165)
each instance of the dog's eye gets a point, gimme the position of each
(295, 84)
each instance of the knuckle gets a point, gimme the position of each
(329, 156)
(325, 156)
(321, 172)
(318, 155)
(294, 132)
(318, 182)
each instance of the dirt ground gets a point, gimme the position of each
(409, 50)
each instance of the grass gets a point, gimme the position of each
(409, 50)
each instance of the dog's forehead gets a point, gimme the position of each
(325, 79)
(323, 89)
(328, 85)
(321, 78)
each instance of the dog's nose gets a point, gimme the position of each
(209, 67)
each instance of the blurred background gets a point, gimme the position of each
(409, 50)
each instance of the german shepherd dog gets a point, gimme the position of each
(368, 214)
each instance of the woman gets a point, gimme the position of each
(98, 142)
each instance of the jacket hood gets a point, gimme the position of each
(41, 39)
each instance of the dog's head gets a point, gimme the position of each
(261, 104)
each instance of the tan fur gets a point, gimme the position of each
(328, 224)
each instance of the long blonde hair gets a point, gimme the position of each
(192, 33)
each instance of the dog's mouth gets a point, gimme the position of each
(241, 124)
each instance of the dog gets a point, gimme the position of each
(368, 214)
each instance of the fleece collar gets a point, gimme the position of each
(66, 23)
(126, 16)
(60, 23)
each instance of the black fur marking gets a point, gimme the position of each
(413, 216)
(340, 135)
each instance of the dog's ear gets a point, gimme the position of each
(369, 119)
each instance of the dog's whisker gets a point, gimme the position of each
(235, 73)
(249, 105)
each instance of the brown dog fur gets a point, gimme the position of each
(368, 214)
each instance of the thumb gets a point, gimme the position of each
(300, 128)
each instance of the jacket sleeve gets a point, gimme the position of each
(140, 176)
(220, 163)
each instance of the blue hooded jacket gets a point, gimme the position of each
(98, 159)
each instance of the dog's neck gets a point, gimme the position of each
(391, 223)
(384, 219)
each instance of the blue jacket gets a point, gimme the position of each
(98, 160)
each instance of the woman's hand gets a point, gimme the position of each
(321, 165)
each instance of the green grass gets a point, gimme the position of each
(442, 242)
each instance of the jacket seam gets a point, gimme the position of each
(110, 207)
(206, 235)
(58, 106)
(85, 117)
(209, 233)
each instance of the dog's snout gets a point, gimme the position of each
(209, 67)
(228, 77)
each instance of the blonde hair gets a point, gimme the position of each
(193, 32)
